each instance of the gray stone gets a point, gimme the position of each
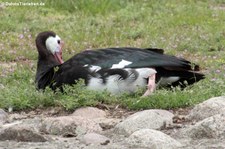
(71, 125)
(90, 112)
(107, 123)
(210, 107)
(12, 124)
(110, 146)
(3, 117)
(16, 116)
(212, 127)
(32, 124)
(152, 139)
(21, 133)
(150, 119)
(94, 138)
(205, 144)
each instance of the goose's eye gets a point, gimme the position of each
(58, 41)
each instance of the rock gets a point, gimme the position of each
(210, 107)
(151, 119)
(32, 124)
(90, 112)
(94, 138)
(109, 146)
(69, 125)
(20, 133)
(212, 127)
(3, 117)
(16, 116)
(152, 139)
(97, 115)
(12, 124)
(107, 123)
(58, 126)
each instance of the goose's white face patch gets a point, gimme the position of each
(121, 64)
(53, 44)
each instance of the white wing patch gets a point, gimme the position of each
(93, 67)
(121, 64)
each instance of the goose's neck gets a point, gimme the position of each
(45, 72)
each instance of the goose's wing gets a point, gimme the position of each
(128, 58)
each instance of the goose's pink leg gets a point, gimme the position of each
(151, 85)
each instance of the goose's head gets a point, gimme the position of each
(49, 46)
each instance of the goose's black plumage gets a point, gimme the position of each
(101, 65)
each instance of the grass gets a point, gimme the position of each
(190, 29)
